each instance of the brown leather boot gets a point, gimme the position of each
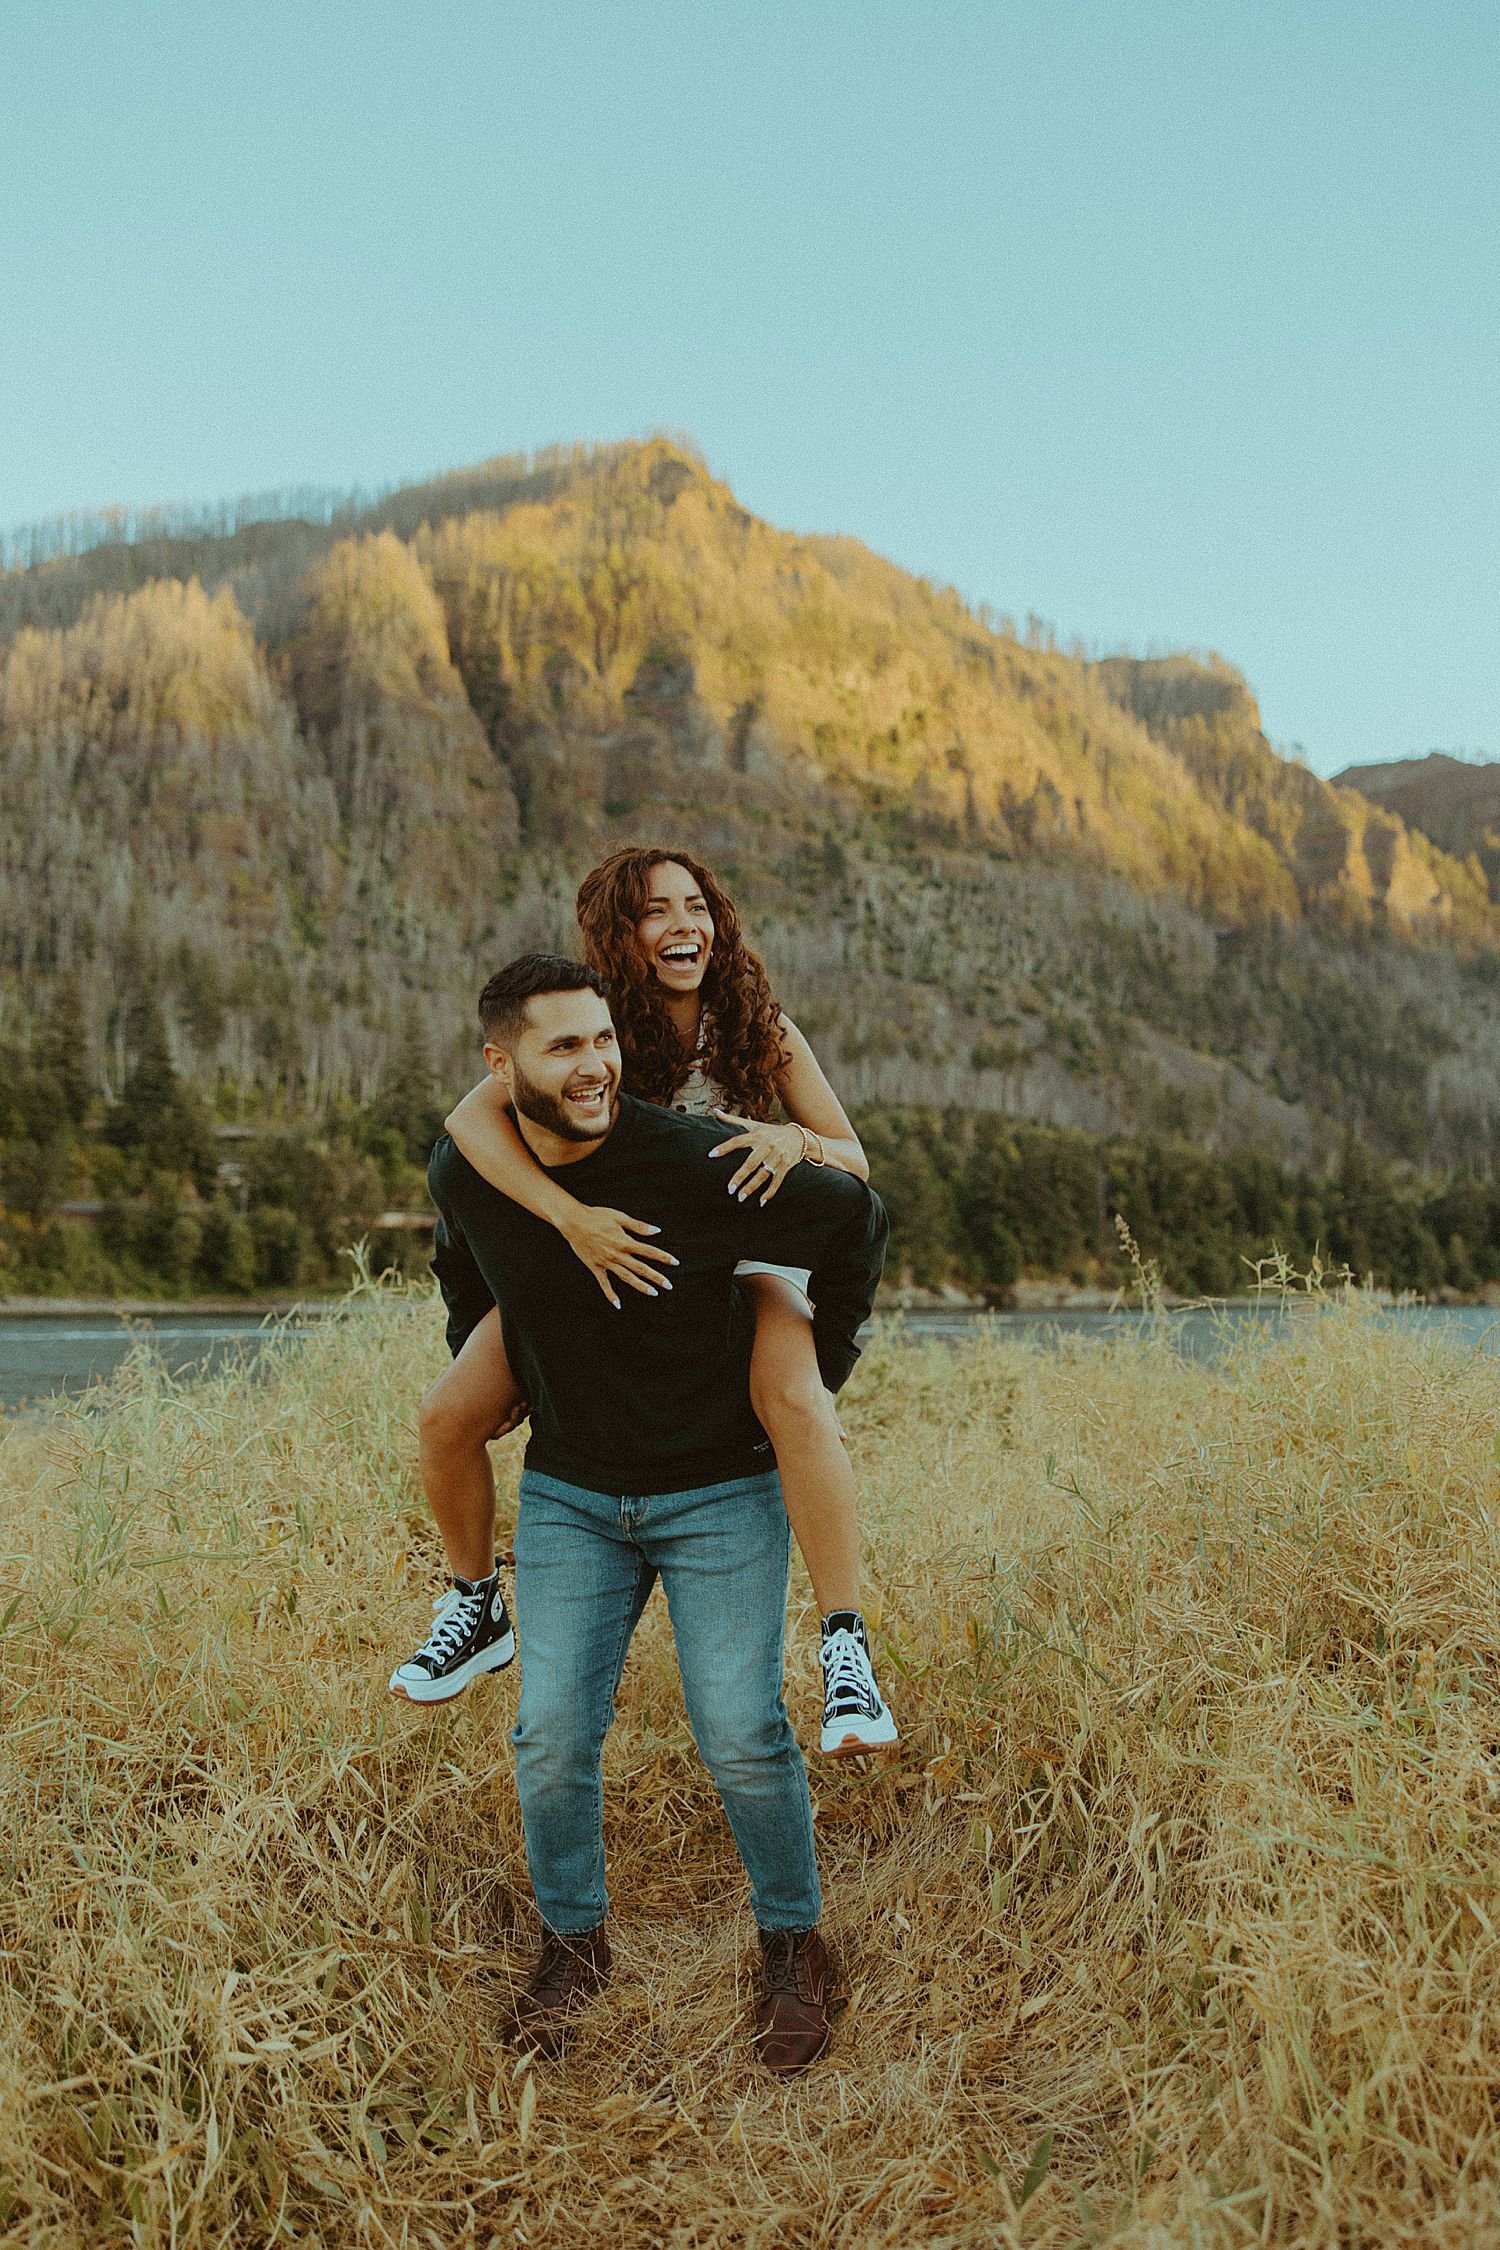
(791, 2022)
(569, 1971)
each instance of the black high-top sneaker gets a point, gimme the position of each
(471, 1633)
(856, 1717)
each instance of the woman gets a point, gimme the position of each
(701, 1032)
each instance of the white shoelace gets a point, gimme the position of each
(458, 1614)
(847, 1677)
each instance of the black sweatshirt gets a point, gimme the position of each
(654, 1397)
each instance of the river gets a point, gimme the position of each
(41, 1356)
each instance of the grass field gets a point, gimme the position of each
(1175, 1923)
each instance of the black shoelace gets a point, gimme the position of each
(786, 1964)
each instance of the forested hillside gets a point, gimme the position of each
(277, 797)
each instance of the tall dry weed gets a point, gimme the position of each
(1176, 1921)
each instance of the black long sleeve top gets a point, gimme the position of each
(654, 1397)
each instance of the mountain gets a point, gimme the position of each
(304, 778)
(1453, 802)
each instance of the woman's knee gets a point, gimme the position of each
(450, 1413)
(786, 1388)
(791, 1399)
(471, 1399)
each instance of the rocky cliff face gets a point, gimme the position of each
(1350, 861)
(1454, 803)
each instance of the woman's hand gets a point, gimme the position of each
(773, 1150)
(610, 1245)
(514, 1415)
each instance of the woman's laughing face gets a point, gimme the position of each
(676, 931)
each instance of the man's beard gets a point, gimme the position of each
(549, 1112)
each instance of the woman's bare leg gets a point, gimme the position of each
(797, 1415)
(474, 1401)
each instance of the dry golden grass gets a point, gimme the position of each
(1188, 1882)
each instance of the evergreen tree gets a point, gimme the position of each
(407, 1102)
(62, 1052)
(36, 1137)
(200, 997)
(157, 1115)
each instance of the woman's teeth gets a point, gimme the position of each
(679, 953)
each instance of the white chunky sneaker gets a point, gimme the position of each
(856, 1716)
(471, 1634)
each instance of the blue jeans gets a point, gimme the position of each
(585, 1566)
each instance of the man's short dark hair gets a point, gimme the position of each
(502, 1004)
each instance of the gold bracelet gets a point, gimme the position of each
(808, 1136)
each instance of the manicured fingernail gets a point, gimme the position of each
(666, 1284)
(653, 1230)
(674, 1261)
(743, 1193)
(615, 1302)
(650, 1292)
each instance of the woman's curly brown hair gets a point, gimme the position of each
(743, 1050)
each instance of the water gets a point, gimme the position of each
(1200, 1331)
(40, 1357)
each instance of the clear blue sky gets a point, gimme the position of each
(1176, 324)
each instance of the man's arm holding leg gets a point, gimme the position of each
(836, 1225)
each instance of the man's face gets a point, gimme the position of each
(563, 1068)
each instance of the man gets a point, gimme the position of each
(646, 1461)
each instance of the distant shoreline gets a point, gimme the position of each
(1028, 1299)
(1023, 1297)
